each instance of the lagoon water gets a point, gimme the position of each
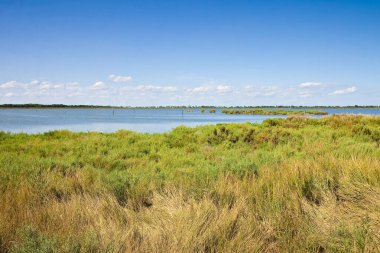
(141, 120)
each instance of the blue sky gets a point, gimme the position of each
(183, 52)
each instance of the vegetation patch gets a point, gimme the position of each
(287, 185)
(275, 112)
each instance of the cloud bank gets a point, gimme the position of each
(117, 92)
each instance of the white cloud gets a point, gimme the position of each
(120, 79)
(345, 91)
(200, 89)
(45, 86)
(305, 93)
(8, 85)
(309, 84)
(98, 85)
(73, 86)
(9, 94)
(156, 88)
(221, 89)
(34, 82)
(49, 86)
(100, 92)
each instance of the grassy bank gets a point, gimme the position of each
(275, 112)
(287, 185)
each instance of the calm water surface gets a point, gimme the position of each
(110, 120)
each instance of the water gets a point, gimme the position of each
(141, 120)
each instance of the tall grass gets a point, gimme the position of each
(286, 185)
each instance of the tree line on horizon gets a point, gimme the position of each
(31, 105)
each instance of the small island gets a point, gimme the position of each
(275, 112)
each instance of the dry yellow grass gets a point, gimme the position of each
(325, 198)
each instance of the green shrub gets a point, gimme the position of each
(30, 240)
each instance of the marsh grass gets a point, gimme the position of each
(287, 185)
(275, 112)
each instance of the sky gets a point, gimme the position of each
(190, 52)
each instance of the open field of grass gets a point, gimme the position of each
(286, 185)
(275, 112)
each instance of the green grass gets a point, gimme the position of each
(275, 112)
(286, 185)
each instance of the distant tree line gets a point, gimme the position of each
(177, 107)
(51, 106)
